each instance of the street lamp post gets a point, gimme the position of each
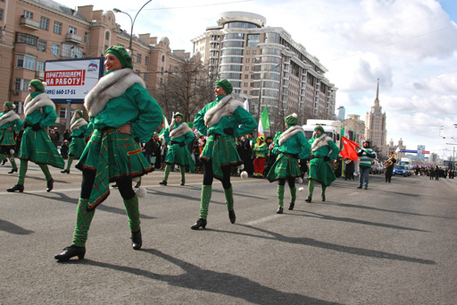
(132, 22)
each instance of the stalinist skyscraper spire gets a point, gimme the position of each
(375, 126)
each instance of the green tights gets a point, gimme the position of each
(84, 218)
(311, 183)
(23, 171)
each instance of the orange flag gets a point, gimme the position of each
(348, 151)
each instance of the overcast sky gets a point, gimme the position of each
(409, 45)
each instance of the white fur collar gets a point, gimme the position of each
(77, 124)
(39, 101)
(289, 133)
(226, 107)
(10, 116)
(180, 131)
(112, 85)
(320, 142)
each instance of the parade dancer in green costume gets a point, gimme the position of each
(36, 145)
(122, 113)
(80, 130)
(9, 123)
(289, 147)
(178, 135)
(222, 121)
(323, 149)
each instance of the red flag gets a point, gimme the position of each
(348, 151)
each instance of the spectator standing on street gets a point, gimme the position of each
(390, 169)
(9, 124)
(179, 135)
(36, 145)
(80, 130)
(222, 120)
(366, 156)
(260, 154)
(123, 114)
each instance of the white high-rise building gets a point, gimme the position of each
(267, 66)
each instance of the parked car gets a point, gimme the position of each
(402, 170)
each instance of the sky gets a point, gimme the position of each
(409, 45)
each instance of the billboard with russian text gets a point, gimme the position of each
(70, 80)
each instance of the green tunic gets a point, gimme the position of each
(286, 164)
(7, 136)
(36, 146)
(112, 154)
(178, 154)
(220, 147)
(320, 170)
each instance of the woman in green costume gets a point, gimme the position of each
(178, 135)
(36, 145)
(9, 123)
(80, 130)
(222, 121)
(289, 147)
(123, 114)
(323, 149)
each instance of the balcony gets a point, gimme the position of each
(39, 74)
(29, 23)
(71, 37)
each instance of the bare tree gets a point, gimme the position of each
(186, 90)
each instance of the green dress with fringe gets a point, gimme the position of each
(36, 146)
(288, 154)
(220, 147)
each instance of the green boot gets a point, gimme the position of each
(293, 197)
(83, 220)
(280, 193)
(205, 199)
(133, 213)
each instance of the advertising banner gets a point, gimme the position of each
(69, 81)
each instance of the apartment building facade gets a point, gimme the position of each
(35, 31)
(267, 66)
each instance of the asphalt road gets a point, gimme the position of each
(391, 244)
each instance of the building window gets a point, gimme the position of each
(71, 30)
(42, 45)
(246, 76)
(26, 39)
(55, 49)
(62, 113)
(44, 23)
(137, 72)
(57, 27)
(1, 14)
(40, 66)
(146, 60)
(246, 68)
(253, 40)
(28, 14)
(26, 62)
(163, 58)
(248, 52)
(138, 58)
(86, 37)
(248, 60)
(21, 84)
(107, 35)
(69, 50)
